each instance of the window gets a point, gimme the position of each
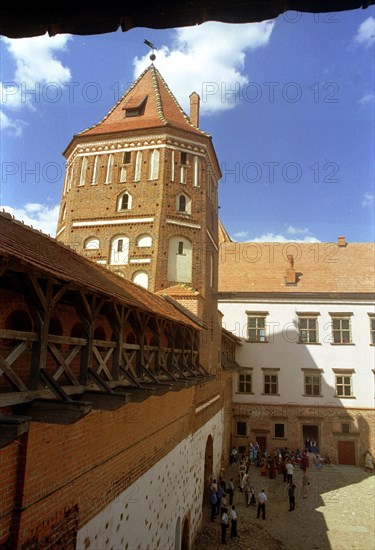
(140, 278)
(372, 329)
(120, 250)
(279, 430)
(241, 428)
(341, 332)
(196, 172)
(154, 164)
(138, 166)
(125, 161)
(308, 330)
(183, 167)
(124, 202)
(127, 157)
(270, 384)
(183, 204)
(344, 385)
(144, 240)
(256, 327)
(312, 384)
(82, 179)
(135, 106)
(244, 383)
(180, 255)
(345, 428)
(172, 165)
(108, 177)
(94, 180)
(92, 243)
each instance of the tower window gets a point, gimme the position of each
(183, 158)
(127, 157)
(180, 247)
(124, 202)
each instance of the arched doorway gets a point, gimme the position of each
(185, 541)
(208, 468)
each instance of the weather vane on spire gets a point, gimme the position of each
(150, 45)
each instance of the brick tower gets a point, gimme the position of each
(140, 197)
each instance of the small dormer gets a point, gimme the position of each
(135, 106)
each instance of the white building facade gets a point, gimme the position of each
(306, 363)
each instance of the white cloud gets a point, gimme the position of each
(368, 199)
(39, 216)
(209, 59)
(296, 231)
(240, 235)
(278, 238)
(15, 127)
(36, 67)
(367, 98)
(366, 32)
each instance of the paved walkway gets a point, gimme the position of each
(339, 513)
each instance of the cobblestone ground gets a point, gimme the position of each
(338, 514)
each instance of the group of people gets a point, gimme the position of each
(219, 507)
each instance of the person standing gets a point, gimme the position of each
(292, 498)
(224, 526)
(289, 472)
(231, 489)
(305, 484)
(213, 503)
(233, 525)
(262, 499)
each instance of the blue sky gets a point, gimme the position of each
(289, 104)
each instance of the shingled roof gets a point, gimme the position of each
(158, 105)
(43, 254)
(260, 267)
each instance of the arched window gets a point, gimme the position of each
(94, 180)
(92, 243)
(124, 201)
(144, 240)
(119, 250)
(108, 177)
(63, 212)
(180, 254)
(82, 179)
(183, 204)
(154, 164)
(140, 278)
(138, 166)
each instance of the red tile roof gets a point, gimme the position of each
(260, 267)
(39, 252)
(161, 108)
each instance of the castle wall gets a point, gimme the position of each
(147, 513)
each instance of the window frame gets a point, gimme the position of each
(308, 318)
(344, 385)
(335, 317)
(312, 384)
(246, 383)
(244, 424)
(270, 383)
(258, 338)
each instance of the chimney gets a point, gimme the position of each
(341, 241)
(194, 109)
(290, 271)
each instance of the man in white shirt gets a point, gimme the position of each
(289, 472)
(262, 499)
(233, 517)
(224, 526)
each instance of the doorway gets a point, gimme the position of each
(310, 438)
(346, 452)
